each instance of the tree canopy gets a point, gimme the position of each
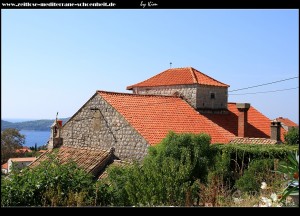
(11, 139)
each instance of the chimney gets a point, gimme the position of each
(275, 130)
(242, 118)
(55, 140)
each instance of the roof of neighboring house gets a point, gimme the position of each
(154, 116)
(259, 125)
(246, 140)
(179, 76)
(286, 122)
(42, 151)
(4, 166)
(25, 159)
(23, 150)
(91, 160)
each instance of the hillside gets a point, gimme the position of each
(40, 125)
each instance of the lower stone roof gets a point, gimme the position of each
(91, 160)
(247, 140)
(118, 163)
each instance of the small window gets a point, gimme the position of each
(212, 96)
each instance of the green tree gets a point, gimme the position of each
(292, 136)
(11, 139)
(169, 175)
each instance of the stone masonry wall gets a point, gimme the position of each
(187, 91)
(97, 125)
(204, 100)
(198, 96)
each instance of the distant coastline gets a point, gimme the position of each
(15, 120)
(33, 125)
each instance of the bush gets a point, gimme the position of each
(290, 169)
(292, 136)
(49, 184)
(169, 175)
(257, 172)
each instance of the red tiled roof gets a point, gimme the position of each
(246, 140)
(23, 150)
(25, 159)
(154, 116)
(259, 125)
(91, 160)
(286, 122)
(4, 166)
(179, 76)
(42, 151)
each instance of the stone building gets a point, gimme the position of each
(121, 126)
(202, 92)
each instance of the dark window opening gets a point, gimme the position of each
(212, 96)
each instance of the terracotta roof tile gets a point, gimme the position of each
(4, 166)
(286, 122)
(179, 76)
(23, 150)
(91, 160)
(42, 151)
(25, 159)
(247, 140)
(154, 116)
(259, 125)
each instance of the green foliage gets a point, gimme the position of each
(231, 160)
(102, 194)
(257, 172)
(290, 169)
(11, 139)
(169, 175)
(292, 136)
(49, 184)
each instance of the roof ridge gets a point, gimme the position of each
(130, 87)
(195, 80)
(210, 77)
(136, 95)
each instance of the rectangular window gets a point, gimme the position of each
(212, 95)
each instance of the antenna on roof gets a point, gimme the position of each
(170, 64)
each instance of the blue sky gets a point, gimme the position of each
(55, 60)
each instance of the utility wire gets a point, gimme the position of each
(264, 84)
(266, 91)
(172, 102)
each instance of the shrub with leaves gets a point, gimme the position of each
(49, 184)
(292, 136)
(257, 172)
(168, 176)
(290, 169)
